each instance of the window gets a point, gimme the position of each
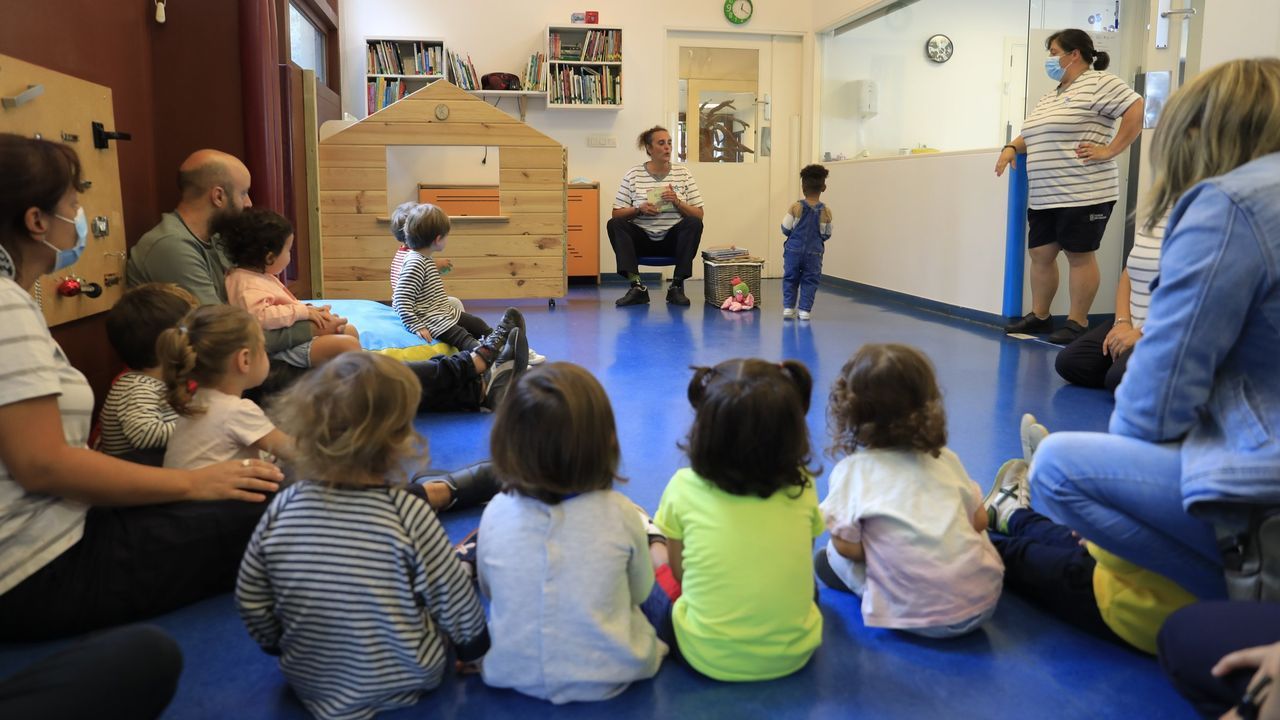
(307, 44)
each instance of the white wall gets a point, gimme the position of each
(517, 28)
(930, 226)
(951, 106)
(1239, 29)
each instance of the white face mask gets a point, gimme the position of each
(68, 257)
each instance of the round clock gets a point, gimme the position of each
(442, 112)
(738, 11)
(939, 48)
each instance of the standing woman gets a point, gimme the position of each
(87, 540)
(657, 211)
(1071, 141)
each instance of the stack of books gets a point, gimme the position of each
(724, 253)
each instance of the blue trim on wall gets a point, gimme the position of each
(1015, 239)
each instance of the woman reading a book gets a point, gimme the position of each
(657, 212)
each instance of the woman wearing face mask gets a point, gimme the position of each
(1071, 141)
(88, 540)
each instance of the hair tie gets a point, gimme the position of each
(182, 329)
(191, 386)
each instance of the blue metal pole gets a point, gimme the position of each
(1015, 239)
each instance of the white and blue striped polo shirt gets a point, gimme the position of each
(640, 186)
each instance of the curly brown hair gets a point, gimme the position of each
(249, 236)
(749, 435)
(887, 397)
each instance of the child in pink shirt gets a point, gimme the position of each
(908, 527)
(258, 242)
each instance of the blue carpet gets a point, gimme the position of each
(1023, 664)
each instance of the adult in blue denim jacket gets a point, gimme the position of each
(1193, 436)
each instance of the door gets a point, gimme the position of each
(732, 126)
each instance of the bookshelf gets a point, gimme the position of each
(584, 67)
(396, 67)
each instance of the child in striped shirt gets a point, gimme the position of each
(137, 419)
(349, 577)
(419, 296)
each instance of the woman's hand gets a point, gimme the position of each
(1089, 152)
(1008, 158)
(1266, 658)
(669, 195)
(1120, 339)
(247, 480)
(648, 208)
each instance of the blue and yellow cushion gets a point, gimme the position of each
(381, 330)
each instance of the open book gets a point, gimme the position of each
(655, 198)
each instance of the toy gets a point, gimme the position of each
(741, 299)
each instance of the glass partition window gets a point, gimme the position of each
(306, 44)
(892, 86)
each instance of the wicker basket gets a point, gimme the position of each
(718, 278)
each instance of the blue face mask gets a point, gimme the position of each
(68, 257)
(1054, 70)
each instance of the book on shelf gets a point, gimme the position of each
(602, 46)
(382, 92)
(581, 85)
(534, 77)
(462, 72)
(391, 57)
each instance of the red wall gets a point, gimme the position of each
(175, 87)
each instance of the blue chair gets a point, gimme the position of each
(656, 261)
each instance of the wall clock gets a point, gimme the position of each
(939, 48)
(738, 11)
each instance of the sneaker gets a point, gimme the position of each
(788, 313)
(1067, 334)
(805, 315)
(515, 352)
(536, 358)
(1032, 434)
(494, 341)
(1010, 491)
(1030, 325)
(636, 295)
(676, 296)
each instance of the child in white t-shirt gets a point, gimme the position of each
(908, 527)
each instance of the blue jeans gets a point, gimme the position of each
(1126, 495)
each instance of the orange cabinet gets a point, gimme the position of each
(584, 231)
(459, 200)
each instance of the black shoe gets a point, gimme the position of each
(494, 341)
(471, 486)
(636, 295)
(676, 296)
(516, 352)
(1067, 334)
(1030, 325)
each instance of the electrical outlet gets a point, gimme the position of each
(602, 141)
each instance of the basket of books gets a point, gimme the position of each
(722, 265)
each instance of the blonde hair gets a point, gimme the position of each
(581, 456)
(399, 217)
(1222, 119)
(196, 352)
(425, 223)
(353, 418)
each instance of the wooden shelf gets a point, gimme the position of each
(408, 77)
(615, 63)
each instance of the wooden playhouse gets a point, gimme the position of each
(518, 253)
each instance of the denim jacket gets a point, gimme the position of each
(1206, 372)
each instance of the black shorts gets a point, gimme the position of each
(1075, 229)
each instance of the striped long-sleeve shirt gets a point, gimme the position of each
(420, 299)
(354, 588)
(136, 415)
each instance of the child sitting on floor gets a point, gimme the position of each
(908, 528)
(740, 525)
(258, 243)
(349, 577)
(564, 556)
(419, 295)
(214, 354)
(137, 420)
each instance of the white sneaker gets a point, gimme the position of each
(805, 315)
(535, 358)
(1010, 491)
(1032, 434)
(788, 313)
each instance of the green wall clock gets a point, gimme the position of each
(738, 11)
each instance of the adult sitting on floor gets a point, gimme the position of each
(182, 250)
(657, 211)
(1098, 358)
(1193, 444)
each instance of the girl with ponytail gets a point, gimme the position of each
(209, 360)
(908, 525)
(740, 524)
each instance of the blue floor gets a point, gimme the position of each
(1023, 664)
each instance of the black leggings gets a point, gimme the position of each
(132, 563)
(466, 333)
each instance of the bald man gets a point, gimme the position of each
(180, 250)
